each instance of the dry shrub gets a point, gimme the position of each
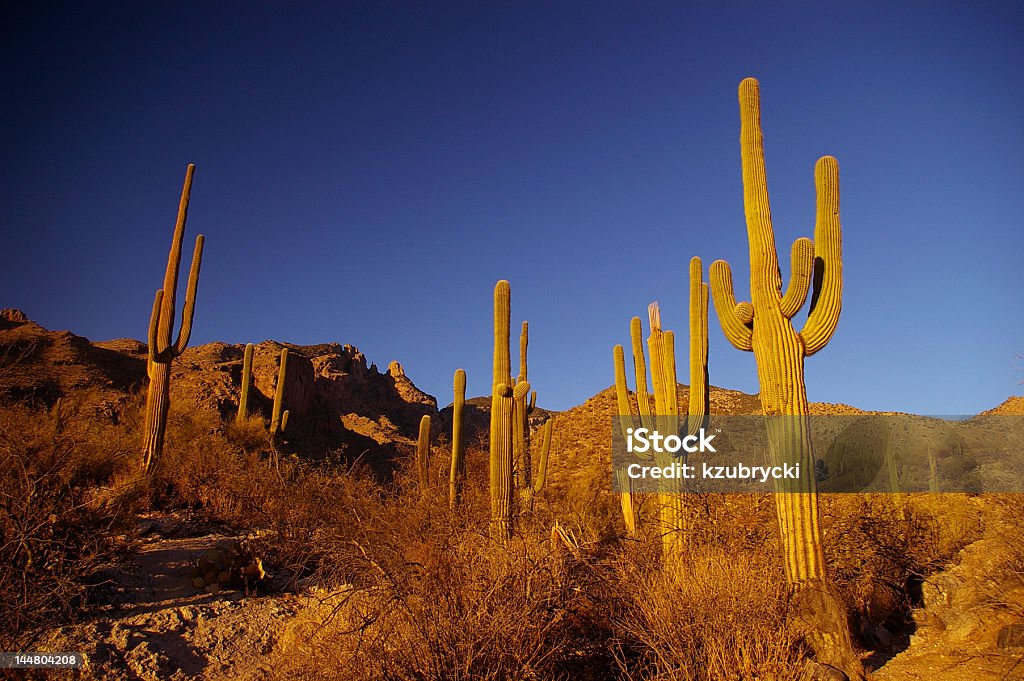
(427, 594)
(717, 614)
(880, 547)
(53, 525)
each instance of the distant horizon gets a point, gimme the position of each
(366, 173)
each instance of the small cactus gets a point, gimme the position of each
(243, 399)
(625, 420)
(423, 454)
(933, 473)
(279, 417)
(458, 470)
(542, 464)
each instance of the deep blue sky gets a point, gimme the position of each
(367, 171)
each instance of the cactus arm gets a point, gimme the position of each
(542, 465)
(185, 330)
(154, 321)
(827, 299)
(524, 341)
(668, 368)
(284, 420)
(174, 260)
(625, 413)
(699, 402)
(802, 263)
(734, 318)
(643, 399)
(533, 402)
(765, 279)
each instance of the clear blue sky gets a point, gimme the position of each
(367, 171)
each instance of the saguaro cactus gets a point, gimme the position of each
(672, 511)
(423, 454)
(502, 482)
(161, 350)
(521, 439)
(243, 399)
(625, 420)
(542, 464)
(458, 471)
(764, 326)
(279, 417)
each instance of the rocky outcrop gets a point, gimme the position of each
(336, 399)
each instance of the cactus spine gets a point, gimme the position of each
(764, 326)
(161, 349)
(502, 483)
(279, 417)
(423, 454)
(243, 400)
(458, 471)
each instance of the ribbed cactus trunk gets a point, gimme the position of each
(457, 475)
(625, 421)
(764, 326)
(278, 416)
(521, 442)
(243, 399)
(671, 504)
(161, 323)
(502, 461)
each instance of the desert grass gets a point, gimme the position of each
(418, 591)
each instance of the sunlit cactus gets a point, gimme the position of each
(502, 483)
(625, 420)
(279, 417)
(542, 464)
(161, 322)
(521, 440)
(457, 476)
(423, 454)
(764, 326)
(671, 502)
(243, 399)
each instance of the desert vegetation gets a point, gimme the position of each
(485, 550)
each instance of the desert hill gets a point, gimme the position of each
(336, 399)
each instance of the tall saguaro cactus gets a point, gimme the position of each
(502, 416)
(161, 350)
(764, 326)
(243, 399)
(458, 470)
